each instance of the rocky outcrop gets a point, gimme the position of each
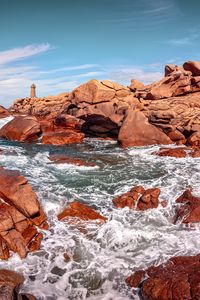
(21, 129)
(107, 109)
(177, 279)
(179, 152)
(193, 67)
(10, 283)
(80, 211)
(63, 159)
(48, 107)
(189, 210)
(20, 215)
(138, 199)
(62, 137)
(4, 112)
(137, 131)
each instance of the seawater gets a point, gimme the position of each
(128, 241)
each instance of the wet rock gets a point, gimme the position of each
(10, 283)
(137, 131)
(20, 213)
(173, 152)
(80, 211)
(189, 210)
(177, 279)
(179, 152)
(194, 139)
(4, 112)
(21, 129)
(193, 67)
(138, 199)
(64, 137)
(63, 159)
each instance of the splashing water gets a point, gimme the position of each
(129, 241)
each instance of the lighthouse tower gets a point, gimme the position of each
(33, 91)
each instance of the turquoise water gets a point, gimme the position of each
(106, 255)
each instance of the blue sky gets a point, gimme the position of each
(60, 44)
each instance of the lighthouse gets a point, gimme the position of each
(33, 91)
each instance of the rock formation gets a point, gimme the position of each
(4, 112)
(108, 109)
(10, 283)
(138, 199)
(177, 279)
(20, 215)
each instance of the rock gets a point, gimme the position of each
(20, 213)
(138, 199)
(93, 92)
(176, 136)
(136, 85)
(69, 122)
(21, 129)
(173, 152)
(137, 131)
(64, 137)
(192, 66)
(194, 139)
(169, 69)
(10, 283)
(189, 211)
(177, 279)
(63, 159)
(81, 211)
(4, 112)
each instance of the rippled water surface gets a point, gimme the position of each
(106, 255)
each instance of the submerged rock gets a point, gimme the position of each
(180, 152)
(138, 199)
(63, 159)
(10, 283)
(177, 279)
(189, 211)
(20, 214)
(21, 129)
(80, 211)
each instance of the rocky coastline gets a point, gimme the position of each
(163, 113)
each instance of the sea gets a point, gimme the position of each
(101, 257)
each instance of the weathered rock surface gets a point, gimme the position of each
(4, 112)
(137, 131)
(10, 283)
(138, 199)
(105, 109)
(21, 129)
(62, 137)
(179, 152)
(80, 211)
(177, 279)
(20, 214)
(63, 159)
(189, 210)
(193, 67)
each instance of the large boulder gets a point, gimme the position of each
(10, 283)
(21, 128)
(193, 67)
(189, 210)
(138, 199)
(4, 112)
(80, 211)
(137, 131)
(20, 214)
(177, 279)
(64, 137)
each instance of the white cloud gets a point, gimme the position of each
(17, 54)
(187, 40)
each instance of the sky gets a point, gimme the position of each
(59, 44)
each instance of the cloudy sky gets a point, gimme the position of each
(60, 44)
